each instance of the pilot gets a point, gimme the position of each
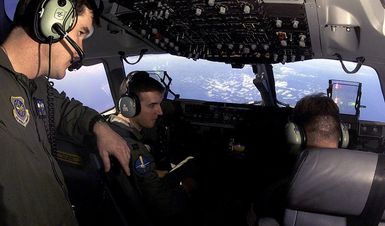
(32, 189)
(315, 123)
(139, 108)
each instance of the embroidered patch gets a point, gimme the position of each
(142, 165)
(20, 112)
(40, 107)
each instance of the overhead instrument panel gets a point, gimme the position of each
(237, 32)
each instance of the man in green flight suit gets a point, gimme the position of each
(140, 107)
(32, 189)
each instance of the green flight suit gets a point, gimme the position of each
(32, 189)
(161, 199)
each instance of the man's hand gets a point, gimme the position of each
(110, 143)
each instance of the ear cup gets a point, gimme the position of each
(50, 12)
(344, 137)
(129, 105)
(129, 102)
(295, 137)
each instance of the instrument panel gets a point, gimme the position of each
(236, 32)
(214, 115)
(371, 129)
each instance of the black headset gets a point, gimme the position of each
(296, 136)
(129, 102)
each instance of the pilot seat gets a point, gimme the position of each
(337, 187)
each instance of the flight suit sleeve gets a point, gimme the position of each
(72, 118)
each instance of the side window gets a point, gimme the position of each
(88, 85)
(295, 80)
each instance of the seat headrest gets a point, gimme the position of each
(332, 181)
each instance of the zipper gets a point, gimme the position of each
(35, 118)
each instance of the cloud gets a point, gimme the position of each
(280, 84)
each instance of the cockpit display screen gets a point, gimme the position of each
(346, 95)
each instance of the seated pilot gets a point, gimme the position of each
(315, 123)
(139, 107)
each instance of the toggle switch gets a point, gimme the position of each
(295, 24)
(278, 23)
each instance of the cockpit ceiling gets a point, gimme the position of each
(237, 32)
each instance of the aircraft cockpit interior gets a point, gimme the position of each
(233, 72)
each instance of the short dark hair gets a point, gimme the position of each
(140, 81)
(319, 116)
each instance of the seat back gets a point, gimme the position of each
(335, 187)
(99, 198)
(81, 174)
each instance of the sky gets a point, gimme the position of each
(10, 6)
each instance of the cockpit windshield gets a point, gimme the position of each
(219, 82)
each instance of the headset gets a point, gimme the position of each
(51, 22)
(53, 16)
(129, 102)
(296, 136)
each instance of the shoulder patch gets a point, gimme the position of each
(20, 112)
(142, 165)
